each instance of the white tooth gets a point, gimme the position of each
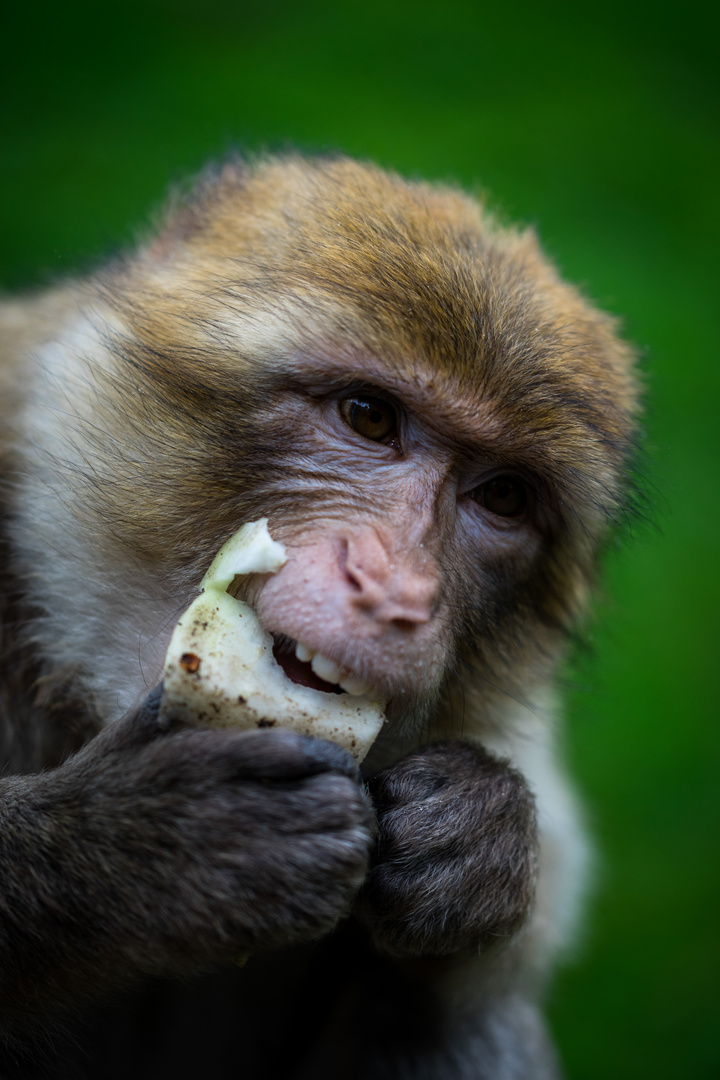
(353, 685)
(325, 669)
(303, 653)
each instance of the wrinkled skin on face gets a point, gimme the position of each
(402, 559)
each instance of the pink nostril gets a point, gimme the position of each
(366, 565)
(410, 601)
(352, 574)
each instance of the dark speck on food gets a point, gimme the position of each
(190, 663)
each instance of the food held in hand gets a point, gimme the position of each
(220, 669)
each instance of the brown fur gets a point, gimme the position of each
(147, 413)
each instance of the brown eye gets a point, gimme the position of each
(371, 417)
(505, 496)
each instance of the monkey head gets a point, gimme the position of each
(436, 426)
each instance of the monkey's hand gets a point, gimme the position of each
(456, 855)
(162, 852)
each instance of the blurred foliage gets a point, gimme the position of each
(596, 123)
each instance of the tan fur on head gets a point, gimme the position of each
(294, 261)
(179, 367)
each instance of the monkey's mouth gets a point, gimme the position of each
(306, 667)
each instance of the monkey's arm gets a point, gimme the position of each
(456, 856)
(163, 852)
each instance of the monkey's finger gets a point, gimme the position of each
(278, 755)
(139, 724)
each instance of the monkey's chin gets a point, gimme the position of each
(220, 667)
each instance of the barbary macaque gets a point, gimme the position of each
(437, 429)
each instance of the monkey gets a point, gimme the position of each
(440, 431)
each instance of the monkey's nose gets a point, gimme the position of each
(388, 586)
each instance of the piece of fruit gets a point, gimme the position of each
(220, 669)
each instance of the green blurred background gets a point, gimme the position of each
(598, 124)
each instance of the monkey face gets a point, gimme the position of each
(383, 518)
(434, 423)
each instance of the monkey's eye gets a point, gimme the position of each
(505, 496)
(371, 417)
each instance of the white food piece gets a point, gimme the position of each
(220, 669)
